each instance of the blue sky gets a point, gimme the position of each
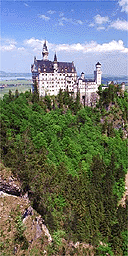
(81, 31)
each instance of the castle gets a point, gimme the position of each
(51, 76)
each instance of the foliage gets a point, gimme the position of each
(19, 235)
(35, 96)
(57, 237)
(20, 228)
(72, 166)
(103, 250)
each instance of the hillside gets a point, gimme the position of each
(72, 162)
(9, 74)
(22, 229)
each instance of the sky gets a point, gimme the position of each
(83, 31)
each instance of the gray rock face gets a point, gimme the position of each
(10, 187)
(28, 211)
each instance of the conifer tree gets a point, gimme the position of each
(11, 96)
(60, 98)
(35, 97)
(16, 93)
(77, 102)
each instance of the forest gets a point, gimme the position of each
(72, 161)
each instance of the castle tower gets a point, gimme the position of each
(55, 62)
(82, 75)
(123, 86)
(97, 74)
(45, 51)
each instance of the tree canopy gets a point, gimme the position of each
(72, 161)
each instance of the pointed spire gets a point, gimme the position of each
(45, 46)
(98, 64)
(45, 42)
(55, 57)
(45, 51)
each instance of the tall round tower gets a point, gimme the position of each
(45, 51)
(98, 73)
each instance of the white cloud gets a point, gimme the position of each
(120, 24)
(51, 12)
(93, 47)
(35, 44)
(61, 23)
(100, 20)
(26, 5)
(8, 41)
(91, 25)
(101, 28)
(68, 48)
(117, 24)
(84, 55)
(9, 47)
(42, 16)
(79, 22)
(61, 14)
(70, 20)
(20, 48)
(124, 5)
(7, 44)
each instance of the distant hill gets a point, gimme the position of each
(116, 79)
(105, 78)
(9, 74)
(2, 72)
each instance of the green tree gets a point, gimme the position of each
(60, 98)
(16, 94)
(35, 96)
(48, 102)
(11, 96)
(77, 104)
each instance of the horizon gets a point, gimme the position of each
(84, 32)
(88, 74)
(21, 75)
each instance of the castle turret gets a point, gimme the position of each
(45, 51)
(55, 57)
(82, 75)
(55, 62)
(123, 86)
(97, 74)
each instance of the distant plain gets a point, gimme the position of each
(13, 85)
(23, 84)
